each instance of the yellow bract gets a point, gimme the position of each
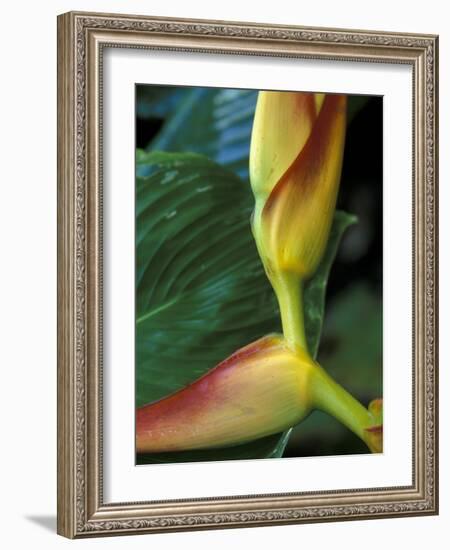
(282, 124)
(261, 389)
(295, 166)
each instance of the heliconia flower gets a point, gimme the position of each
(259, 390)
(296, 155)
(373, 435)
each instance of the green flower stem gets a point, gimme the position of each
(332, 398)
(289, 291)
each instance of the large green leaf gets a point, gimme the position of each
(201, 289)
(216, 122)
(199, 278)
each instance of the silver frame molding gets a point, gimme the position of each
(81, 39)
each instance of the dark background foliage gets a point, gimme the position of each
(217, 123)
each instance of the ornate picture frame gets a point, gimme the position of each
(82, 39)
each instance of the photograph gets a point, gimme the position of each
(247, 274)
(258, 274)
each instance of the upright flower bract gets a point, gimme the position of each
(295, 167)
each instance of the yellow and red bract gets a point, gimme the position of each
(295, 167)
(374, 434)
(259, 390)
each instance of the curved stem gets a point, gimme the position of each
(332, 398)
(289, 291)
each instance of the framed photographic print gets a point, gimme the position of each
(247, 276)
